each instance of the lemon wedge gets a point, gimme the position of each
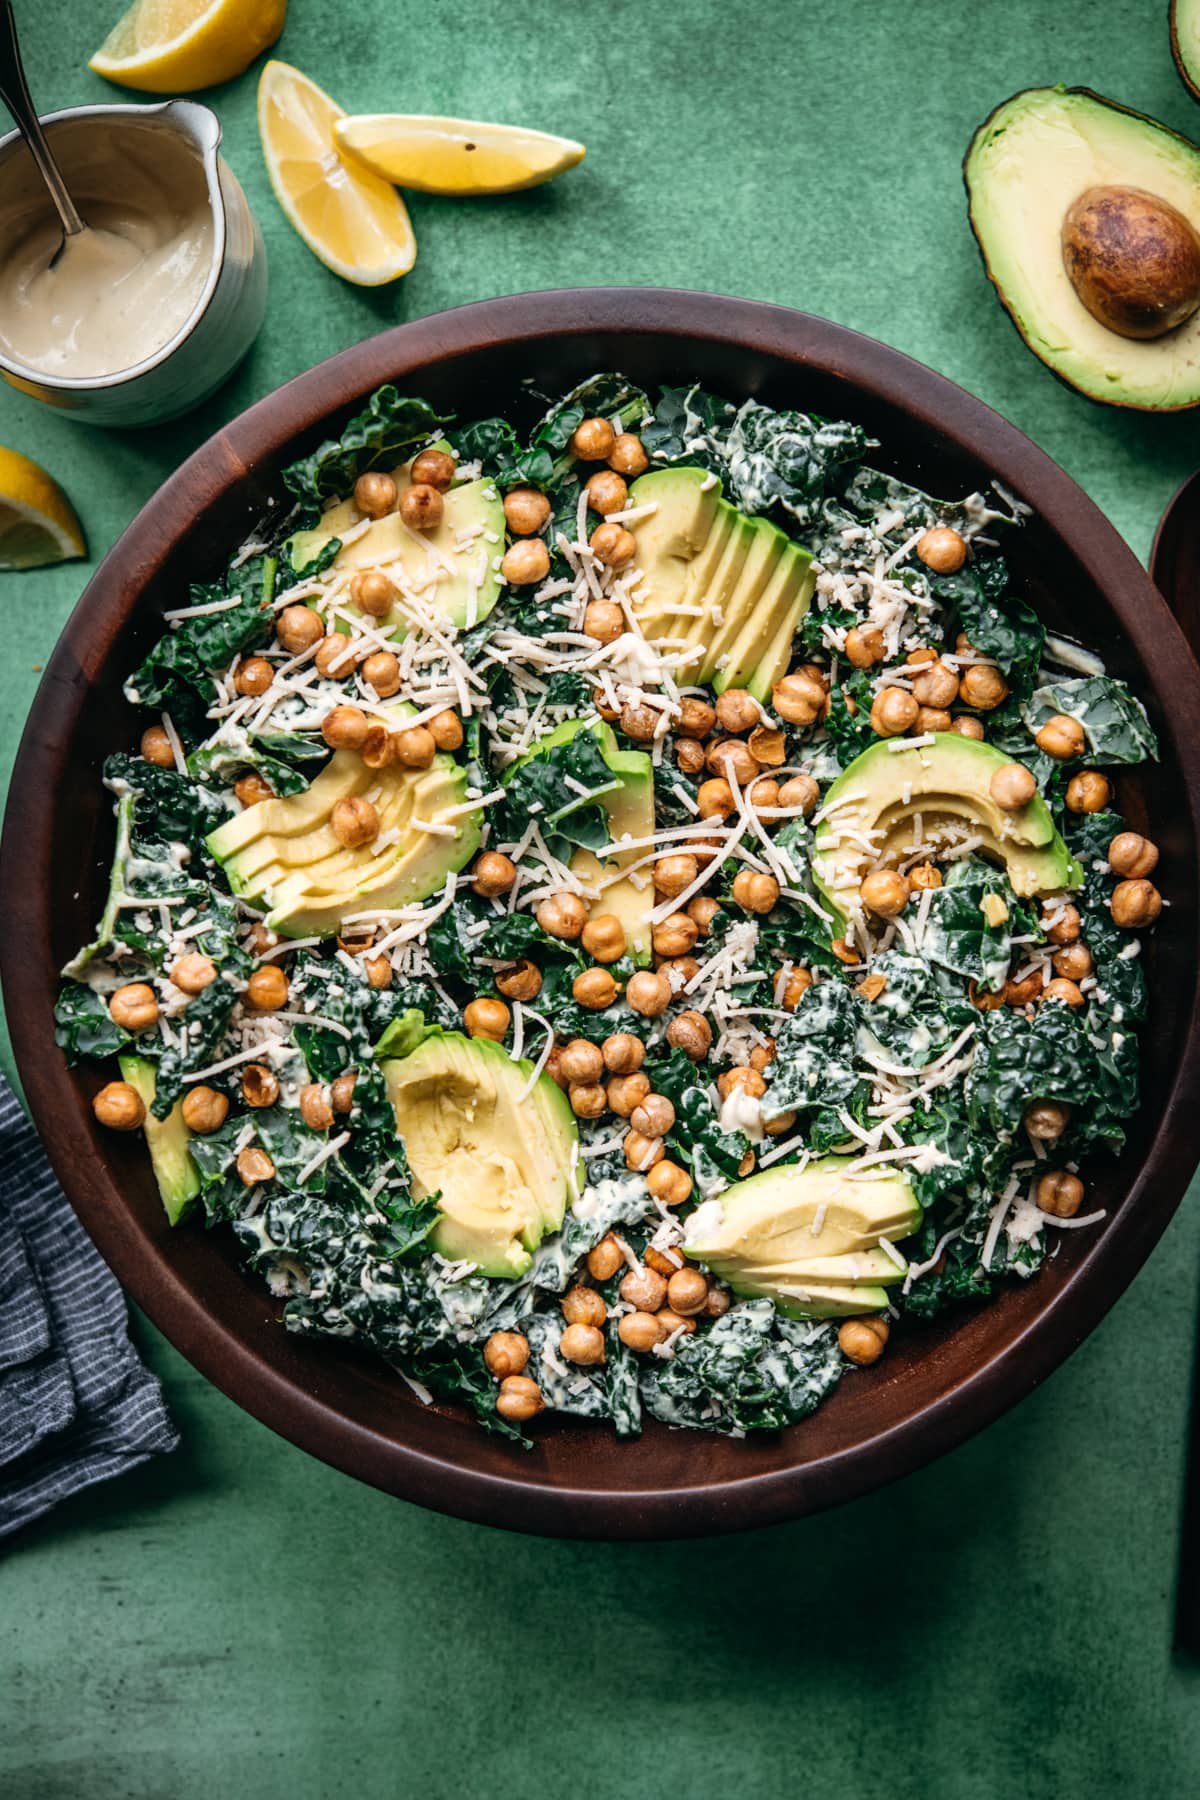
(357, 224)
(455, 156)
(37, 521)
(176, 46)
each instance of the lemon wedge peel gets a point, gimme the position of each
(356, 224)
(464, 157)
(178, 46)
(38, 525)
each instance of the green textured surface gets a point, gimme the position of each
(241, 1620)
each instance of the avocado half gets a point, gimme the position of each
(1028, 161)
(1185, 42)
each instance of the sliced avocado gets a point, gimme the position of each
(1026, 165)
(167, 1141)
(283, 854)
(502, 1162)
(629, 803)
(945, 784)
(737, 595)
(1185, 42)
(460, 581)
(807, 1237)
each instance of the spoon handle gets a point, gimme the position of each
(15, 95)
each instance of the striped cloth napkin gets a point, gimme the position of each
(76, 1404)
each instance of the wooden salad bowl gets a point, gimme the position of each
(939, 1382)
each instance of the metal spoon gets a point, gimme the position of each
(15, 95)
(1175, 571)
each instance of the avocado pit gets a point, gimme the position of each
(1133, 260)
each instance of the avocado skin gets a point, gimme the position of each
(1189, 76)
(1107, 399)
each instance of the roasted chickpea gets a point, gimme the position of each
(345, 728)
(1063, 926)
(525, 511)
(1069, 992)
(613, 545)
(341, 1094)
(641, 1152)
(519, 1399)
(1024, 992)
(381, 671)
(493, 874)
(584, 1306)
(639, 1331)
(603, 620)
(1059, 1193)
(696, 718)
(672, 874)
(378, 971)
(620, 1054)
(1074, 961)
(267, 988)
(755, 892)
(1088, 792)
(433, 468)
(1135, 904)
(119, 1106)
(799, 698)
(701, 910)
(931, 718)
(582, 1061)
(864, 646)
(156, 746)
(967, 727)
(604, 1258)
(593, 440)
(254, 1166)
(738, 710)
(603, 938)
(648, 993)
(378, 747)
(936, 686)
(627, 456)
(768, 747)
(942, 549)
(334, 658)
(893, 712)
(671, 1322)
(845, 951)
(254, 676)
(799, 791)
(260, 1085)
(982, 686)
(794, 988)
(133, 1007)
(421, 507)
(506, 1353)
(1062, 737)
(744, 1077)
(644, 1288)
(354, 821)
(715, 799)
(562, 915)
(446, 730)
(1046, 1120)
(689, 755)
(925, 875)
(691, 1033)
(298, 628)
(588, 1100)
(375, 494)
(640, 722)
(687, 1290)
(885, 892)
(1130, 853)
(372, 592)
(653, 1116)
(675, 936)
(251, 790)
(862, 1341)
(595, 989)
(730, 758)
(203, 1109)
(486, 1018)
(193, 972)
(669, 1183)
(582, 1344)
(1012, 787)
(526, 562)
(871, 987)
(520, 981)
(316, 1108)
(606, 492)
(983, 1000)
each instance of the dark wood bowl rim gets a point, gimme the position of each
(249, 1378)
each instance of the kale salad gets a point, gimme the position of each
(614, 915)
